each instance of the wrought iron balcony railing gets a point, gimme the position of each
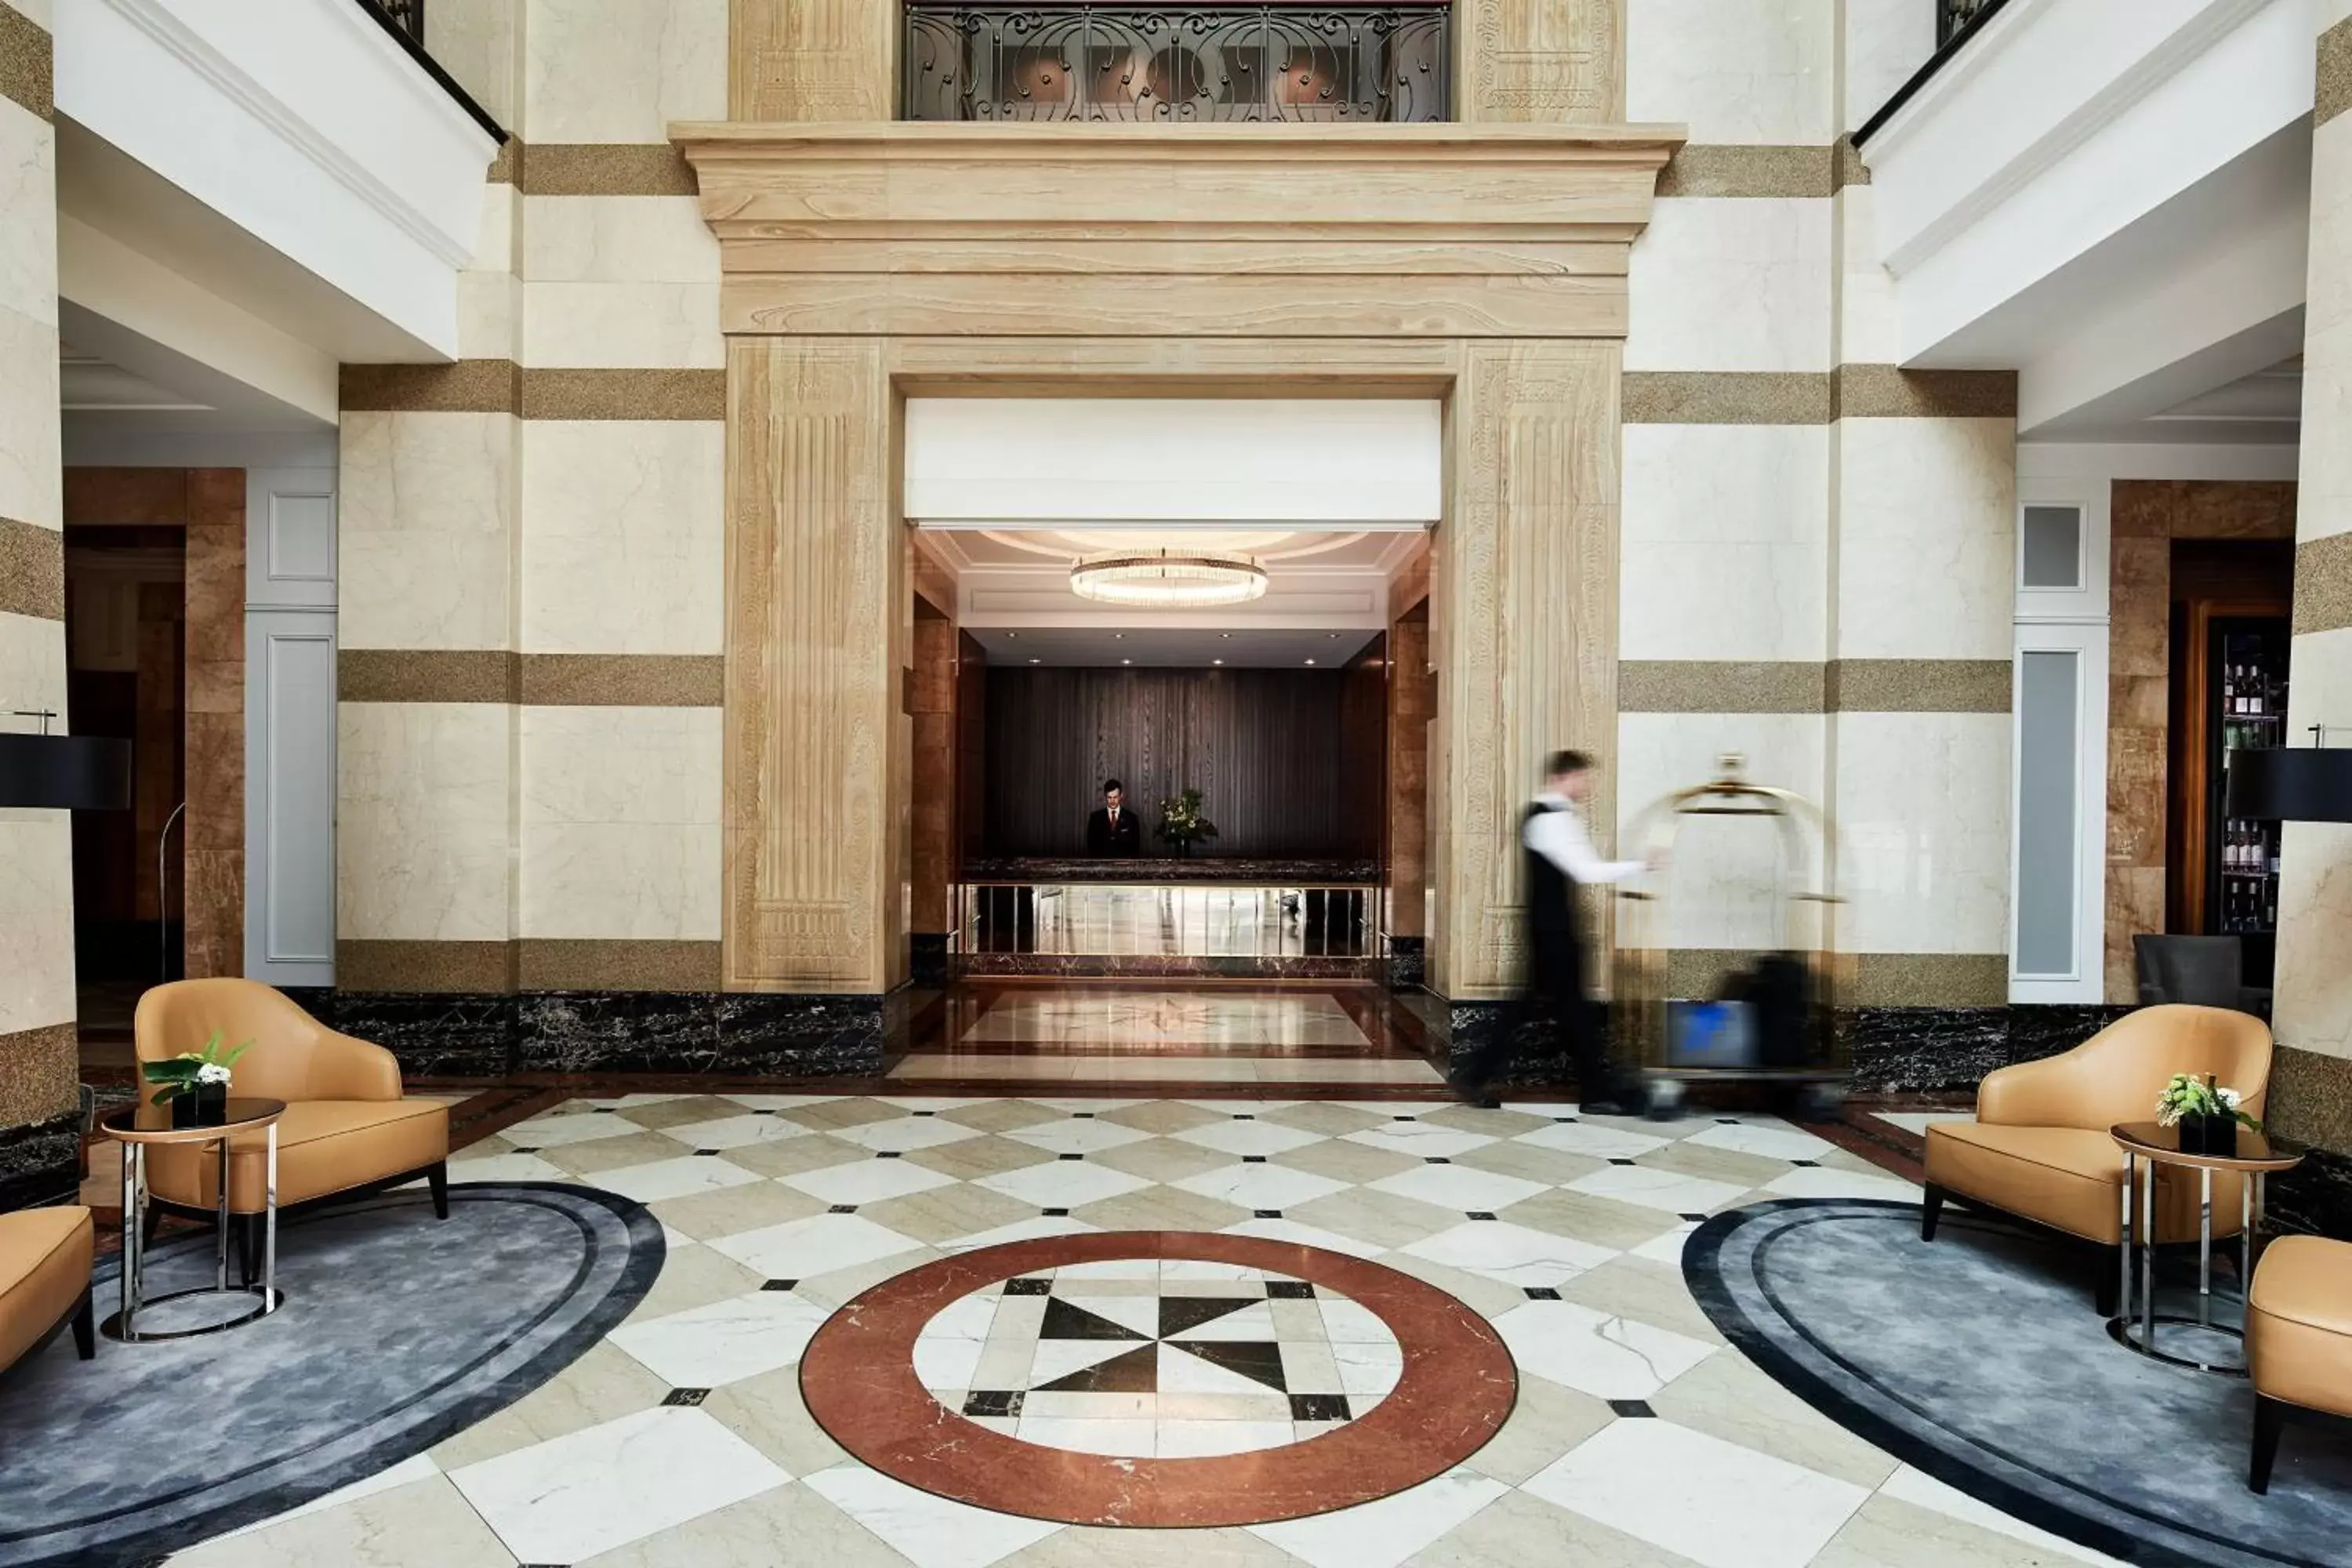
(1952, 15)
(1266, 62)
(407, 15)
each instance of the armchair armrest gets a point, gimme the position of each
(343, 1067)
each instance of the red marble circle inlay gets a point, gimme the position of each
(1457, 1388)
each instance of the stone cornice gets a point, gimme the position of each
(1046, 229)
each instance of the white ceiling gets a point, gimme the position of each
(1162, 648)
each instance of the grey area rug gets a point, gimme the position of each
(1977, 1359)
(398, 1330)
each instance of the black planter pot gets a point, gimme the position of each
(206, 1105)
(2209, 1135)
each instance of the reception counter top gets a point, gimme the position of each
(1198, 868)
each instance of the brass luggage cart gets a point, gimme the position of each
(1784, 1032)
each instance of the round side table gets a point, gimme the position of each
(2146, 1145)
(136, 1127)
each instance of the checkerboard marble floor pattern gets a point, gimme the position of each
(1639, 1436)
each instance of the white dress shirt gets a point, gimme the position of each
(1558, 835)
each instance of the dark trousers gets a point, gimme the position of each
(1554, 1000)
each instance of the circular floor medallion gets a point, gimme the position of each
(1159, 1379)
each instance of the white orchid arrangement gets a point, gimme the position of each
(2188, 1095)
(192, 1070)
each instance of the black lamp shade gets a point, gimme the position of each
(73, 772)
(2309, 784)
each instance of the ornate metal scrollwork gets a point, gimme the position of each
(1178, 63)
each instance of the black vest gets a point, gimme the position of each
(1552, 922)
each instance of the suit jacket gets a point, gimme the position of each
(1120, 841)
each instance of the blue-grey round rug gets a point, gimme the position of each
(1978, 1358)
(398, 1331)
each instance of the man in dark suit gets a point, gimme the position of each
(1112, 831)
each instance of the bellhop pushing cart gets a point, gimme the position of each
(1773, 1021)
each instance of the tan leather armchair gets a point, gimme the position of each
(347, 1127)
(2040, 1147)
(2298, 1340)
(45, 1257)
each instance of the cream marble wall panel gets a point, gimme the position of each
(1726, 541)
(1723, 886)
(618, 240)
(30, 460)
(2325, 503)
(29, 196)
(620, 810)
(622, 326)
(489, 294)
(427, 508)
(2313, 1006)
(1868, 323)
(37, 978)
(621, 71)
(1742, 71)
(1922, 806)
(423, 834)
(475, 41)
(1925, 536)
(1886, 41)
(1732, 285)
(624, 536)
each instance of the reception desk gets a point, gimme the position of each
(1266, 919)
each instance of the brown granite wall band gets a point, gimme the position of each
(39, 1073)
(528, 964)
(2332, 92)
(1798, 686)
(1725, 397)
(550, 963)
(32, 570)
(1928, 980)
(398, 965)
(623, 395)
(1708, 686)
(2323, 584)
(536, 679)
(604, 169)
(502, 386)
(506, 169)
(1917, 686)
(623, 680)
(1749, 171)
(1890, 392)
(469, 387)
(27, 63)
(1851, 170)
(2311, 1099)
(427, 675)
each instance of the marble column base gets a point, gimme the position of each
(929, 962)
(2315, 1198)
(1408, 962)
(727, 1033)
(40, 1163)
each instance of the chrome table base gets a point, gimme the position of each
(123, 1325)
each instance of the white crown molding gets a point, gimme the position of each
(2132, 87)
(198, 53)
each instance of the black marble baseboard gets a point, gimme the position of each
(490, 1036)
(40, 1163)
(1408, 962)
(929, 961)
(1922, 1049)
(2315, 1198)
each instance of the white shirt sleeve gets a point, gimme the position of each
(1559, 838)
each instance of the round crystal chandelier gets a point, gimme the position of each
(1167, 578)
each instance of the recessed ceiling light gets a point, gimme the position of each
(1013, 634)
(1127, 661)
(1216, 661)
(1036, 661)
(1119, 636)
(1228, 635)
(1310, 661)
(1333, 636)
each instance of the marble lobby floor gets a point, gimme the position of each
(1638, 1437)
(1142, 1036)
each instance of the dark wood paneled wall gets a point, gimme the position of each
(1270, 750)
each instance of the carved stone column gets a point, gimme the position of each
(1522, 599)
(817, 636)
(811, 59)
(1559, 62)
